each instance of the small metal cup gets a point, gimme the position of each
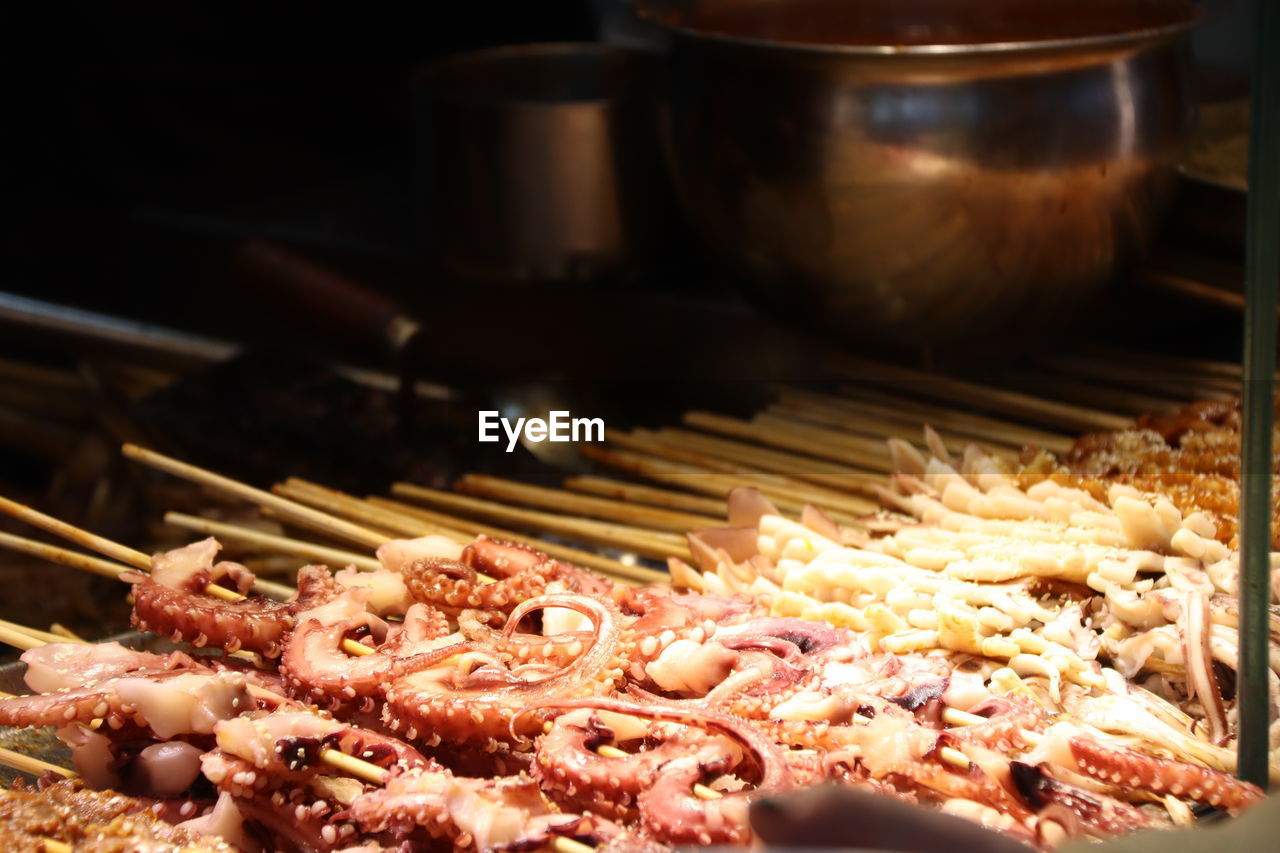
(539, 162)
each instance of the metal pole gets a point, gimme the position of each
(1262, 272)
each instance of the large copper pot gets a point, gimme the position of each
(925, 171)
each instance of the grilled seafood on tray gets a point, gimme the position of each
(1046, 659)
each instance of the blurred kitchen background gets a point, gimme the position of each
(250, 175)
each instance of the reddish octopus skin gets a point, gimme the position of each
(1105, 816)
(1134, 769)
(1007, 719)
(487, 706)
(189, 614)
(314, 666)
(96, 701)
(669, 809)
(567, 765)
(519, 573)
(290, 812)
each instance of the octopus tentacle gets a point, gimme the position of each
(1130, 768)
(568, 767)
(168, 703)
(669, 807)
(559, 650)
(1008, 719)
(1104, 815)
(315, 665)
(481, 705)
(171, 601)
(480, 814)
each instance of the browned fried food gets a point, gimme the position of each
(91, 822)
(1192, 457)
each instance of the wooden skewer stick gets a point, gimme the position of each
(52, 845)
(1009, 403)
(335, 557)
(956, 717)
(694, 466)
(71, 533)
(350, 506)
(58, 629)
(862, 408)
(36, 633)
(284, 507)
(614, 568)
(686, 475)
(648, 495)
(408, 520)
(1074, 390)
(865, 458)
(112, 570)
(86, 539)
(856, 428)
(34, 766)
(647, 543)
(54, 554)
(838, 478)
(596, 507)
(570, 845)
(610, 751)
(20, 639)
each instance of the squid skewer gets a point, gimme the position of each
(115, 550)
(349, 764)
(79, 561)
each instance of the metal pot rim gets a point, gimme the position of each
(1085, 43)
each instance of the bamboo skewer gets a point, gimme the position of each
(648, 495)
(868, 459)
(415, 521)
(66, 633)
(54, 554)
(349, 506)
(20, 639)
(644, 542)
(797, 429)
(843, 420)
(13, 628)
(1174, 363)
(71, 533)
(51, 845)
(829, 475)
(284, 507)
(619, 570)
(862, 408)
(564, 501)
(279, 544)
(103, 546)
(34, 766)
(1160, 381)
(696, 478)
(1010, 403)
(1071, 389)
(769, 482)
(70, 558)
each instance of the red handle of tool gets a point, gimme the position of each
(322, 299)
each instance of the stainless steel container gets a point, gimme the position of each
(539, 162)
(922, 171)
